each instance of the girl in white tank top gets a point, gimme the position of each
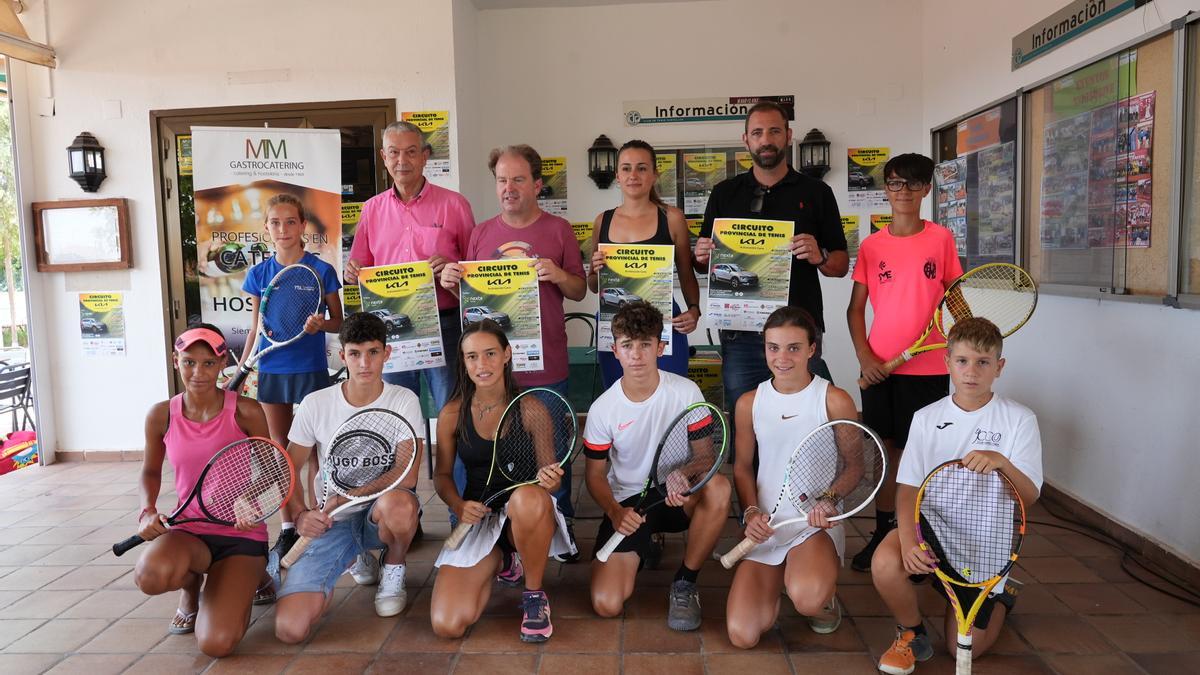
(800, 560)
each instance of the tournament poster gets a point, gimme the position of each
(864, 177)
(553, 197)
(635, 272)
(506, 291)
(102, 324)
(435, 125)
(749, 273)
(404, 297)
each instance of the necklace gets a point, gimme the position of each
(481, 410)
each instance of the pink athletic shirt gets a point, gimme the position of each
(906, 277)
(391, 232)
(189, 447)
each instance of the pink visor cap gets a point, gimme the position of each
(209, 337)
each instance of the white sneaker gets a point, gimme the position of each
(365, 569)
(391, 597)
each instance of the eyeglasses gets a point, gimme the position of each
(756, 205)
(913, 185)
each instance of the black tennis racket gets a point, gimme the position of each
(371, 453)
(688, 456)
(838, 467)
(538, 428)
(247, 480)
(973, 523)
(294, 294)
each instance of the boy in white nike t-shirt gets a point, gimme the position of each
(624, 426)
(989, 433)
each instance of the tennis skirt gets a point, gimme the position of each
(483, 537)
(774, 550)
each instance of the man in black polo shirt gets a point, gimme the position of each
(775, 191)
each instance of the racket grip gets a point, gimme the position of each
(962, 659)
(456, 537)
(295, 552)
(737, 553)
(123, 547)
(888, 368)
(235, 383)
(610, 546)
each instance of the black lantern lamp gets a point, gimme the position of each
(602, 162)
(814, 155)
(85, 162)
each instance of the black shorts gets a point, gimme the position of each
(221, 547)
(888, 407)
(661, 518)
(964, 598)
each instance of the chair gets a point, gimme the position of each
(428, 412)
(582, 380)
(15, 394)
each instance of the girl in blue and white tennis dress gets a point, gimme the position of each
(801, 559)
(522, 531)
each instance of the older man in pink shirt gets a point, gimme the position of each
(415, 220)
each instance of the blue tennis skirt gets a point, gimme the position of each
(290, 387)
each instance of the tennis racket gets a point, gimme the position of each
(973, 524)
(247, 480)
(537, 428)
(1001, 293)
(688, 456)
(371, 453)
(838, 467)
(294, 294)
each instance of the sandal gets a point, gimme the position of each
(265, 595)
(182, 623)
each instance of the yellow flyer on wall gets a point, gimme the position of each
(864, 177)
(583, 235)
(506, 291)
(102, 324)
(404, 297)
(749, 272)
(553, 197)
(635, 272)
(435, 124)
(668, 174)
(701, 173)
(850, 229)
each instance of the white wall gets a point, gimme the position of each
(555, 78)
(163, 55)
(1113, 383)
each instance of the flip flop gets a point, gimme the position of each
(265, 595)
(182, 623)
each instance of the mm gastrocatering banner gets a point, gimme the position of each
(236, 171)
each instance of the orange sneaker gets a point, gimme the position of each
(907, 649)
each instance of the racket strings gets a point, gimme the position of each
(839, 462)
(972, 521)
(369, 452)
(248, 480)
(295, 295)
(690, 450)
(537, 430)
(1002, 294)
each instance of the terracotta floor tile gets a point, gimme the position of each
(24, 554)
(75, 554)
(843, 664)
(1058, 570)
(1000, 664)
(653, 635)
(861, 601)
(44, 604)
(496, 635)
(584, 636)
(21, 664)
(93, 664)
(1094, 664)
(1151, 599)
(327, 664)
(648, 604)
(1108, 569)
(1036, 545)
(412, 664)
(98, 517)
(12, 630)
(759, 664)
(1143, 634)
(1038, 599)
(154, 606)
(663, 664)
(260, 639)
(361, 633)
(123, 582)
(496, 664)
(1095, 599)
(1009, 642)
(127, 635)
(714, 638)
(86, 578)
(876, 633)
(175, 644)
(250, 664)
(32, 577)
(1080, 545)
(1168, 664)
(799, 637)
(17, 535)
(62, 635)
(61, 535)
(570, 602)
(1060, 634)
(593, 664)
(414, 634)
(103, 604)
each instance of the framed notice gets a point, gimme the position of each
(749, 272)
(81, 235)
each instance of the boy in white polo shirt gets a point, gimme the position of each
(624, 427)
(988, 433)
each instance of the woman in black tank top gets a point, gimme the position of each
(466, 426)
(630, 223)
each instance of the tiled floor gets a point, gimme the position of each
(68, 605)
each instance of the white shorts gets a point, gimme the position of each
(482, 538)
(774, 550)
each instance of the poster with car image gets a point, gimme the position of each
(701, 173)
(506, 291)
(403, 296)
(102, 324)
(864, 177)
(553, 197)
(635, 272)
(749, 272)
(435, 124)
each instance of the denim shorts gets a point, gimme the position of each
(331, 553)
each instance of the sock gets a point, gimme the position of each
(388, 568)
(884, 522)
(287, 526)
(917, 630)
(686, 574)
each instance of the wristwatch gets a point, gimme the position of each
(824, 257)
